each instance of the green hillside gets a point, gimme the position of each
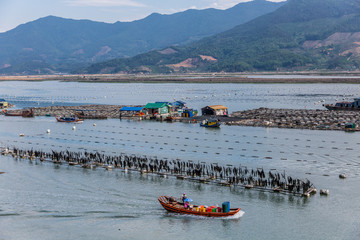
(55, 44)
(301, 35)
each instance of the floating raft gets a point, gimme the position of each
(212, 173)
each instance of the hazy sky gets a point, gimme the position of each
(15, 12)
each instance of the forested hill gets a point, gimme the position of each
(301, 35)
(54, 44)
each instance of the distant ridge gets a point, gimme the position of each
(300, 35)
(53, 44)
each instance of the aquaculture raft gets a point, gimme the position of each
(229, 175)
(171, 205)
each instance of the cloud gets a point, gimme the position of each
(225, 4)
(104, 3)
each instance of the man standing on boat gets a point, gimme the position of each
(183, 198)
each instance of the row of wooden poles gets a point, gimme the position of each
(227, 175)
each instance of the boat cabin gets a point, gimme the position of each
(345, 104)
(218, 110)
(355, 104)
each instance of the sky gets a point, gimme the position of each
(16, 12)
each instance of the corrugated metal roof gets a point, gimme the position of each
(136, 109)
(217, 107)
(155, 105)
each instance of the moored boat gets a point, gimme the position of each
(211, 123)
(172, 205)
(350, 127)
(68, 119)
(19, 113)
(345, 106)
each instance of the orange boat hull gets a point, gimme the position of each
(177, 208)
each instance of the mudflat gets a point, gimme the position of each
(307, 77)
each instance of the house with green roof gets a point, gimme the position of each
(161, 109)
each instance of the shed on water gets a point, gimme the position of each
(158, 108)
(131, 111)
(218, 110)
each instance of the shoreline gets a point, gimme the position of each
(244, 78)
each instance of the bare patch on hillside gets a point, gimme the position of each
(6, 65)
(78, 52)
(188, 63)
(103, 51)
(192, 62)
(335, 39)
(208, 58)
(168, 51)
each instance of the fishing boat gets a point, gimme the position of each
(211, 123)
(172, 205)
(345, 106)
(350, 127)
(69, 119)
(19, 113)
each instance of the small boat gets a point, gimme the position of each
(20, 113)
(172, 205)
(68, 119)
(211, 123)
(345, 106)
(350, 127)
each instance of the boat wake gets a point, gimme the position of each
(235, 216)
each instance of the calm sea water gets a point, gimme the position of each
(44, 201)
(235, 96)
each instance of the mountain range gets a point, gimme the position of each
(300, 35)
(53, 44)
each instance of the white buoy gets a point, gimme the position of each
(343, 175)
(73, 128)
(94, 124)
(48, 131)
(324, 192)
